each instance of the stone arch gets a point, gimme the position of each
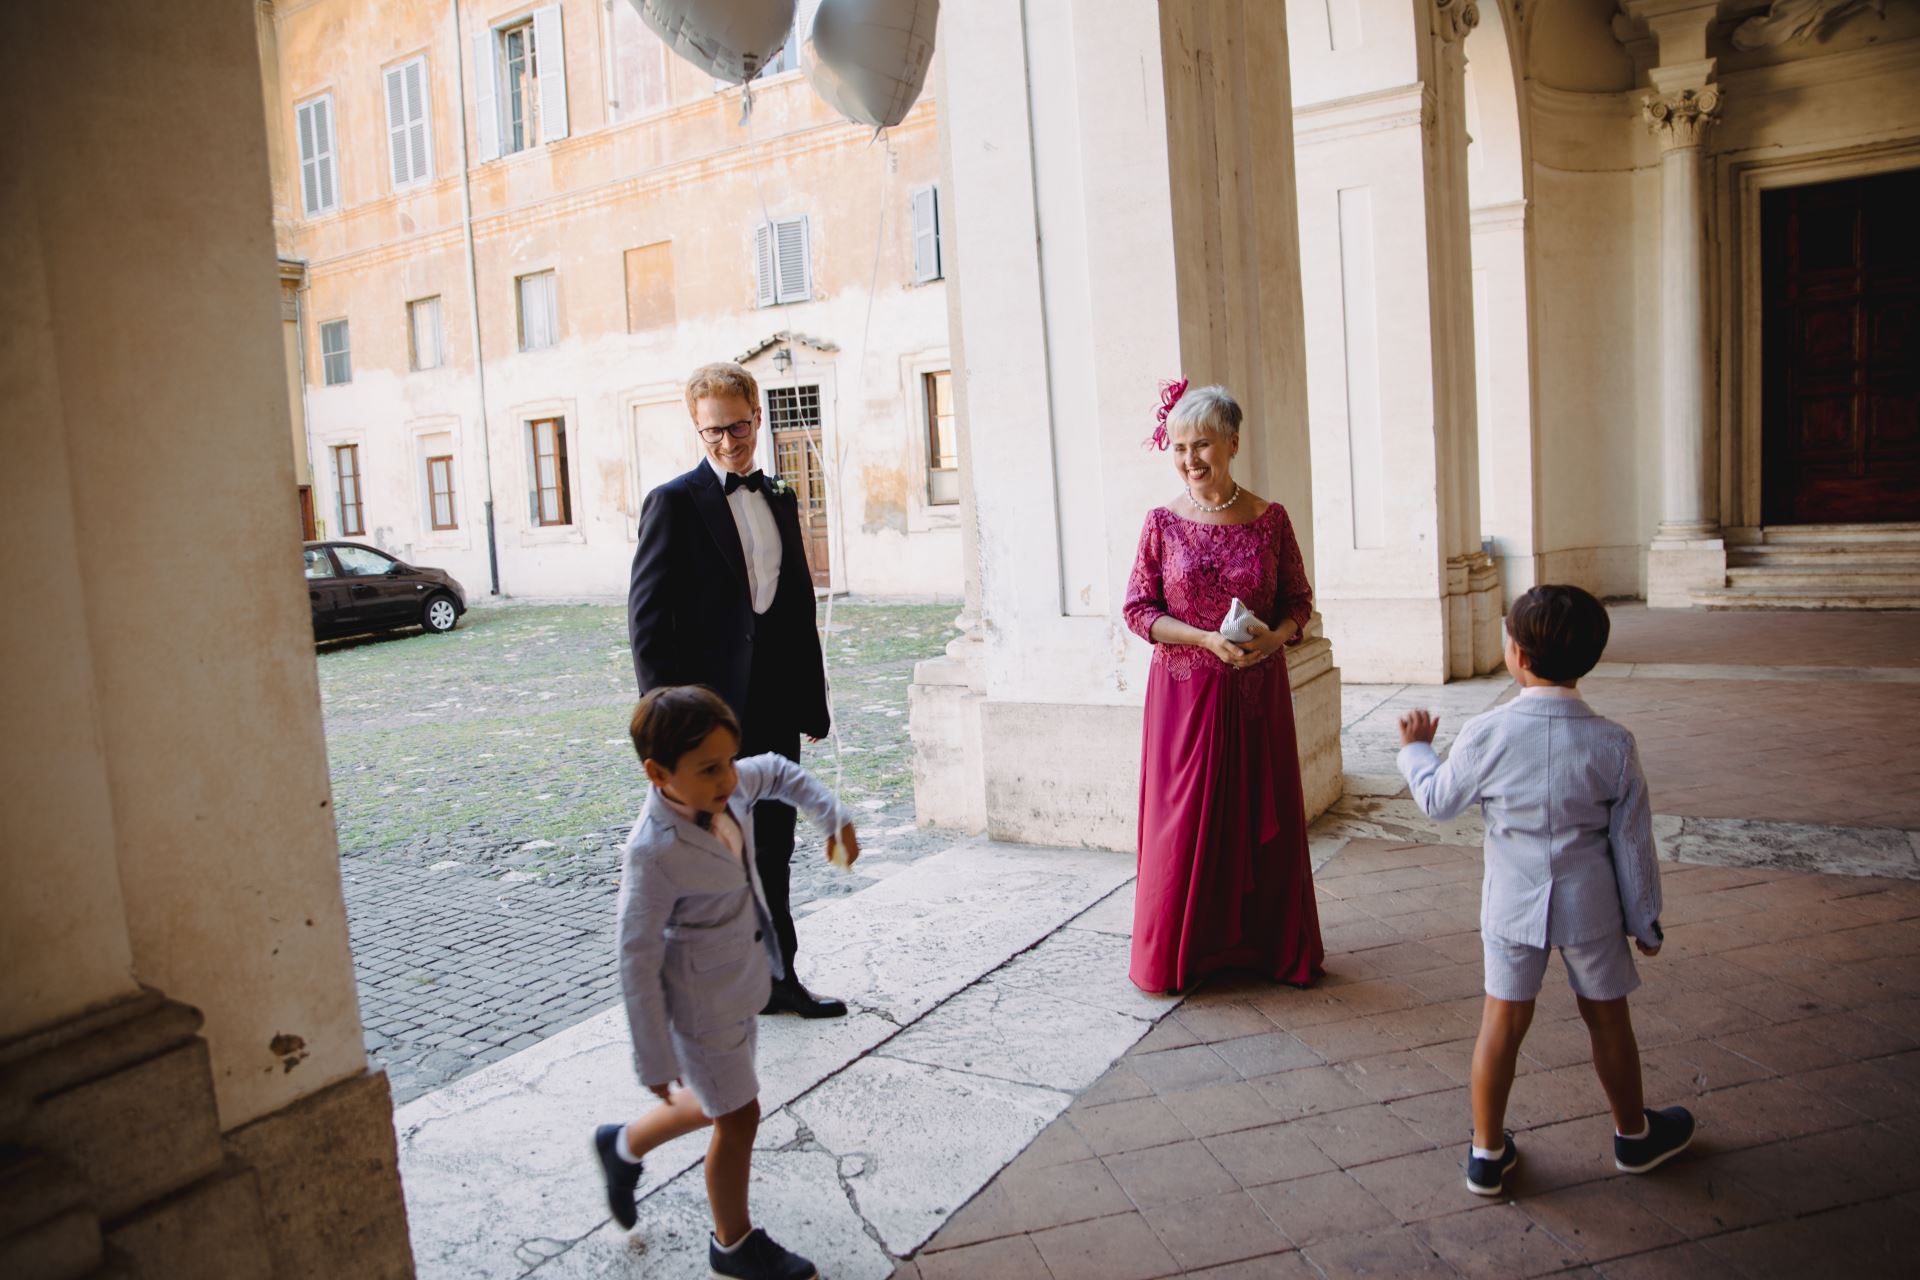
(1499, 190)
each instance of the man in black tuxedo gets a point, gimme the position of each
(721, 596)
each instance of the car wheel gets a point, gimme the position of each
(440, 614)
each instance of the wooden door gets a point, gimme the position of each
(307, 530)
(1841, 411)
(793, 415)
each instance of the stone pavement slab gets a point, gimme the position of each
(1785, 1010)
(496, 1166)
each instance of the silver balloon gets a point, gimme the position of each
(730, 39)
(869, 58)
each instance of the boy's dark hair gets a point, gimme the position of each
(674, 719)
(1562, 630)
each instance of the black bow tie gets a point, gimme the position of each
(702, 819)
(752, 482)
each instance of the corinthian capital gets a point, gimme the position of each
(1681, 118)
(1452, 19)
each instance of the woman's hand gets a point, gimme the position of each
(1268, 641)
(1224, 649)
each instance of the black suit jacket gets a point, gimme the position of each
(690, 614)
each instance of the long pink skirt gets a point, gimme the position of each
(1225, 882)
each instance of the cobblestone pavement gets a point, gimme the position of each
(483, 785)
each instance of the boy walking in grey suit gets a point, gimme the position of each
(697, 958)
(1570, 863)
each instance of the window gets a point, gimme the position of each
(793, 415)
(926, 234)
(409, 139)
(650, 299)
(423, 333)
(552, 496)
(782, 262)
(943, 441)
(639, 65)
(440, 492)
(336, 361)
(346, 486)
(520, 84)
(319, 563)
(319, 184)
(539, 311)
(363, 562)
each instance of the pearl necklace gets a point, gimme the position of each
(1201, 506)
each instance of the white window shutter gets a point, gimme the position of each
(550, 61)
(486, 93)
(402, 159)
(323, 150)
(419, 125)
(793, 257)
(764, 294)
(926, 234)
(309, 161)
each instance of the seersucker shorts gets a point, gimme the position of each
(1601, 969)
(718, 1066)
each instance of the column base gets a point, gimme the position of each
(109, 1131)
(943, 719)
(1489, 612)
(1069, 773)
(1682, 561)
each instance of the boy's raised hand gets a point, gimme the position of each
(1418, 726)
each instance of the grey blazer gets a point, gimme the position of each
(1569, 854)
(696, 945)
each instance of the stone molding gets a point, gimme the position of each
(1681, 118)
(1453, 19)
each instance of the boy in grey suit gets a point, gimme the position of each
(1570, 863)
(698, 955)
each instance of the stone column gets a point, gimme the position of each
(1687, 553)
(1121, 218)
(1380, 133)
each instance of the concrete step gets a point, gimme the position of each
(1836, 554)
(1831, 578)
(1828, 534)
(1901, 595)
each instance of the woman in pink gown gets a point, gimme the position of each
(1225, 882)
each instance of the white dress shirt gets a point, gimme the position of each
(759, 540)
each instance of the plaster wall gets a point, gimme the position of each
(194, 762)
(685, 175)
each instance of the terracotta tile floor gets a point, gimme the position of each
(1843, 753)
(1764, 639)
(1262, 1131)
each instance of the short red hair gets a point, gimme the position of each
(722, 378)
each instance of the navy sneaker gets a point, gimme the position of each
(1485, 1177)
(622, 1176)
(1669, 1132)
(757, 1257)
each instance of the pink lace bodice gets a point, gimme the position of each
(1191, 572)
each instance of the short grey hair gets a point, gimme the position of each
(1209, 409)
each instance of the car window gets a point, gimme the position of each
(362, 561)
(319, 564)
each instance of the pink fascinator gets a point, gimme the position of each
(1170, 393)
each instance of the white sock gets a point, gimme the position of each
(1646, 1127)
(730, 1248)
(621, 1149)
(1481, 1153)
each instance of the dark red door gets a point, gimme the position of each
(1841, 412)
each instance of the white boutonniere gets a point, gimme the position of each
(777, 487)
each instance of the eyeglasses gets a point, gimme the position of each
(738, 430)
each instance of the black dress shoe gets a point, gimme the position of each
(789, 996)
(622, 1177)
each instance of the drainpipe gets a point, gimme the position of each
(473, 284)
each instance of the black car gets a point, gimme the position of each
(355, 589)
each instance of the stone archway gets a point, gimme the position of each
(1499, 198)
